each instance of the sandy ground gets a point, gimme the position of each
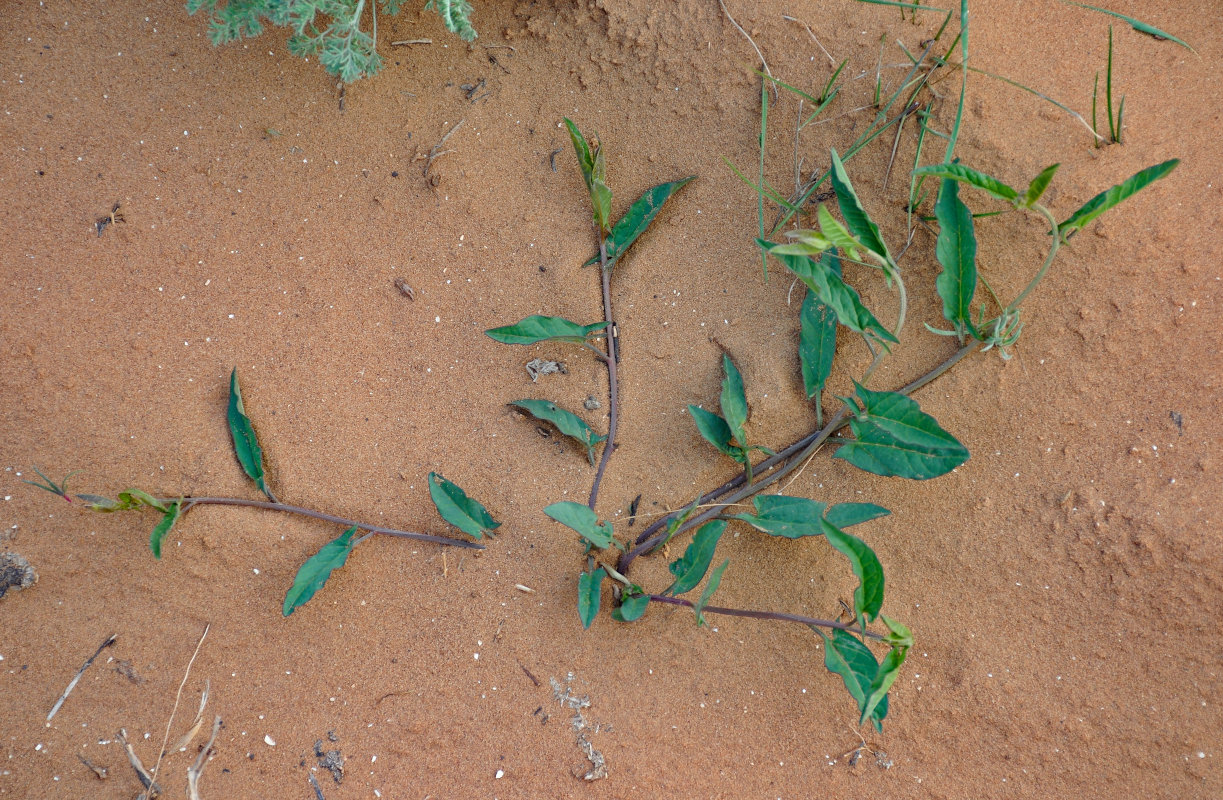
(1064, 585)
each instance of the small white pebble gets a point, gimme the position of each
(500, 774)
(476, 656)
(269, 741)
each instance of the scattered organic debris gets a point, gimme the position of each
(16, 573)
(330, 760)
(77, 677)
(538, 366)
(581, 726)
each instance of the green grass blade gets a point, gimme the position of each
(638, 218)
(764, 127)
(893, 437)
(1114, 196)
(956, 250)
(1141, 27)
(584, 521)
(868, 597)
(246, 446)
(910, 6)
(856, 218)
(589, 589)
(460, 510)
(163, 527)
(317, 569)
(715, 580)
(1090, 128)
(845, 655)
(566, 422)
(963, 174)
(1036, 188)
(537, 328)
(1108, 88)
(690, 569)
(734, 401)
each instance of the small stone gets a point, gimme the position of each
(15, 573)
(591, 403)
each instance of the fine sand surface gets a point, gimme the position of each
(1064, 586)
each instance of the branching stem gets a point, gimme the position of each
(190, 502)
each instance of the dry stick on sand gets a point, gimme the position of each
(760, 55)
(77, 677)
(437, 151)
(177, 697)
(197, 769)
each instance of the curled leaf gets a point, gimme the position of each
(246, 446)
(715, 580)
(163, 527)
(734, 401)
(631, 608)
(847, 656)
(868, 597)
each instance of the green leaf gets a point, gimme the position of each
(859, 222)
(637, 219)
(460, 510)
(883, 680)
(847, 656)
(246, 446)
(715, 431)
(134, 498)
(631, 608)
(824, 280)
(691, 568)
(601, 199)
(843, 515)
(584, 521)
(97, 502)
(835, 232)
(715, 580)
(868, 597)
(1038, 185)
(317, 569)
(898, 634)
(963, 174)
(791, 517)
(1115, 196)
(956, 250)
(1141, 27)
(586, 161)
(895, 438)
(566, 422)
(734, 401)
(817, 343)
(163, 527)
(589, 587)
(537, 328)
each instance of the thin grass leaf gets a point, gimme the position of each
(843, 515)
(1141, 27)
(1090, 128)
(538, 328)
(910, 6)
(893, 437)
(858, 221)
(715, 580)
(963, 174)
(734, 401)
(1108, 89)
(163, 527)
(715, 431)
(637, 219)
(585, 522)
(868, 597)
(1115, 196)
(317, 569)
(956, 250)
(883, 680)
(1039, 184)
(847, 656)
(631, 608)
(764, 127)
(692, 566)
(246, 446)
(460, 510)
(566, 422)
(817, 344)
(589, 589)
(47, 485)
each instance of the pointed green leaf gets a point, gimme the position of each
(246, 446)
(715, 580)
(1036, 188)
(804, 243)
(843, 515)
(715, 431)
(134, 498)
(566, 422)
(868, 597)
(963, 174)
(163, 527)
(691, 568)
(589, 587)
(637, 219)
(317, 569)
(883, 680)
(856, 218)
(898, 634)
(895, 438)
(734, 401)
(836, 234)
(847, 656)
(825, 281)
(601, 200)
(817, 343)
(584, 521)
(791, 517)
(586, 161)
(1115, 196)
(631, 608)
(537, 328)
(97, 502)
(1141, 27)
(956, 250)
(460, 510)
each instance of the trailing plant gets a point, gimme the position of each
(329, 29)
(452, 503)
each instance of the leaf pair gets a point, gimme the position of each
(867, 680)
(795, 517)
(594, 173)
(893, 437)
(725, 431)
(135, 498)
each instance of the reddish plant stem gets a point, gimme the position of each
(189, 502)
(613, 407)
(777, 615)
